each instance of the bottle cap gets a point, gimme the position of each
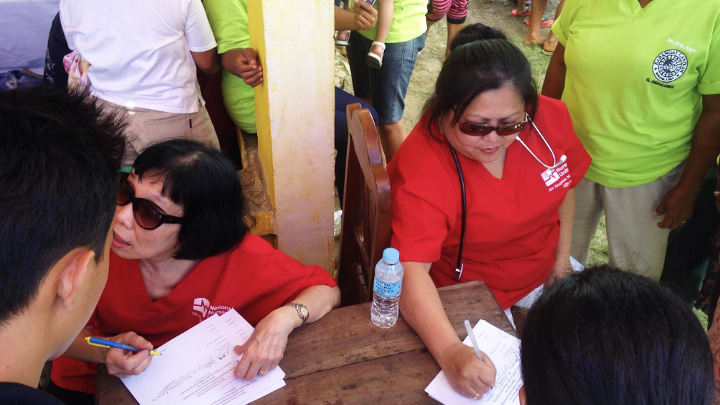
(391, 256)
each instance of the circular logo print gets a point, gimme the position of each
(670, 65)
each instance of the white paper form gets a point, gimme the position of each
(197, 366)
(504, 351)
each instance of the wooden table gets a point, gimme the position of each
(344, 358)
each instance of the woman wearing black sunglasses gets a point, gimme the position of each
(482, 190)
(181, 252)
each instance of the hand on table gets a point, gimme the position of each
(365, 15)
(466, 373)
(124, 363)
(266, 346)
(677, 205)
(247, 67)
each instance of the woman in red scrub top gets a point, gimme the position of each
(492, 163)
(181, 252)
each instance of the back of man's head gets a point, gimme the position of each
(606, 336)
(59, 162)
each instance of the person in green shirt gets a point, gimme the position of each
(641, 79)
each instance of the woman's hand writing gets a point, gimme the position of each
(123, 363)
(466, 373)
(266, 346)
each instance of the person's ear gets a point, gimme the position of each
(71, 274)
(523, 397)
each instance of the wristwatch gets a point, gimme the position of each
(302, 311)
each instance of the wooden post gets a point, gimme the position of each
(294, 108)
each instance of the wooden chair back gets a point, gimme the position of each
(365, 231)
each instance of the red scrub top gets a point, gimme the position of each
(254, 278)
(512, 223)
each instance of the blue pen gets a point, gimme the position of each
(109, 343)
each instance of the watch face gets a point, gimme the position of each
(303, 311)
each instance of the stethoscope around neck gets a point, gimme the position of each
(463, 213)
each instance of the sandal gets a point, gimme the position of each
(514, 12)
(341, 38)
(372, 59)
(546, 23)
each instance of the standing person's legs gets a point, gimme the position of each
(634, 239)
(389, 87)
(551, 41)
(455, 19)
(437, 9)
(588, 208)
(536, 13)
(357, 49)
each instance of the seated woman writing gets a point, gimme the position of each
(181, 252)
(482, 190)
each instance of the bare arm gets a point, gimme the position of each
(422, 309)
(555, 76)
(562, 266)
(265, 348)
(207, 61)
(386, 11)
(363, 18)
(678, 203)
(245, 64)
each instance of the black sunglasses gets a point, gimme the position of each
(473, 129)
(148, 215)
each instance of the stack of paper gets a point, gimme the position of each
(504, 351)
(197, 367)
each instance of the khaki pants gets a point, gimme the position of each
(148, 127)
(634, 240)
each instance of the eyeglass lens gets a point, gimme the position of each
(470, 128)
(146, 214)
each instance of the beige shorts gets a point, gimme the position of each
(148, 127)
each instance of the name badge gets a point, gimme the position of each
(555, 173)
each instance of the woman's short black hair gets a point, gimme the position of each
(205, 183)
(487, 62)
(605, 336)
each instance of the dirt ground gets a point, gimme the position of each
(493, 13)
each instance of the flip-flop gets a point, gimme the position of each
(339, 41)
(372, 59)
(514, 12)
(546, 23)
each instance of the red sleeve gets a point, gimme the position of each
(269, 278)
(423, 193)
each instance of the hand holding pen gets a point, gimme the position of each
(133, 358)
(478, 353)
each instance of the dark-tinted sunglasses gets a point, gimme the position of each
(146, 214)
(473, 129)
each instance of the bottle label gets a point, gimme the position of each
(387, 290)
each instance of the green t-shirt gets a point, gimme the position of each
(229, 22)
(635, 79)
(408, 22)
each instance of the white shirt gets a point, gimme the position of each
(24, 29)
(139, 50)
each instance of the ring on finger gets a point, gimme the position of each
(477, 395)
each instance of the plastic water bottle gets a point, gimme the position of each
(386, 289)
